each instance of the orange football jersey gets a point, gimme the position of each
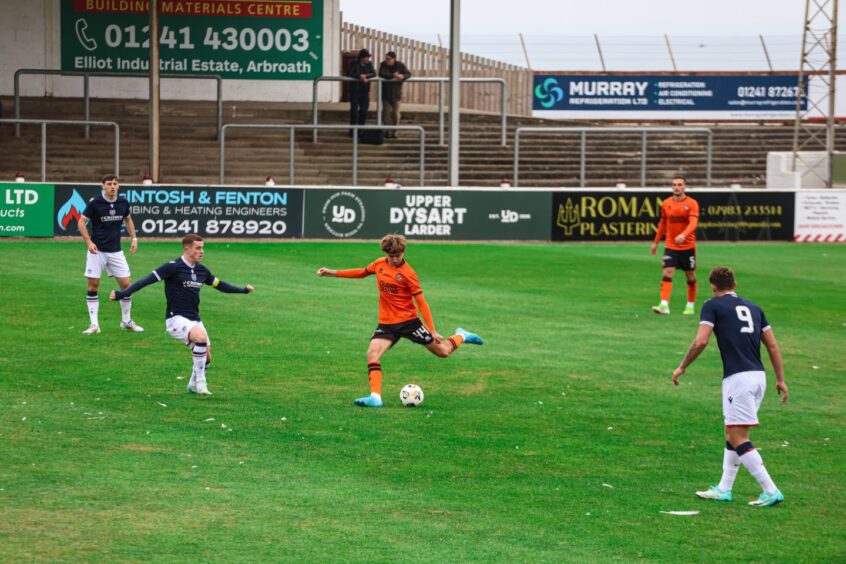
(397, 287)
(678, 217)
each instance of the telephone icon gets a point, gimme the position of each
(87, 42)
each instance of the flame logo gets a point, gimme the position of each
(549, 93)
(71, 211)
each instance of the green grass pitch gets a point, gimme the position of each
(561, 439)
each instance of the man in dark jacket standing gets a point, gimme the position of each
(362, 71)
(392, 69)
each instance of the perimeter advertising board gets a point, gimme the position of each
(174, 211)
(430, 214)
(633, 216)
(665, 96)
(820, 216)
(237, 39)
(25, 210)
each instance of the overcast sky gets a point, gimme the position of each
(605, 17)
(704, 34)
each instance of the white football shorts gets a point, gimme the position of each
(742, 396)
(178, 327)
(113, 263)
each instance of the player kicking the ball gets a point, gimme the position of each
(740, 326)
(399, 289)
(183, 278)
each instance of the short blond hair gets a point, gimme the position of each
(393, 244)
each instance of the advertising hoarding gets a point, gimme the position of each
(165, 211)
(26, 210)
(633, 216)
(430, 214)
(820, 216)
(665, 96)
(249, 39)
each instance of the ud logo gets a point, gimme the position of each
(112, 211)
(568, 217)
(193, 276)
(399, 277)
(509, 216)
(343, 214)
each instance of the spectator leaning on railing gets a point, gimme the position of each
(362, 71)
(392, 69)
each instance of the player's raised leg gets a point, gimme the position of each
(92, 300)
(378, 347)
(126, 308)
(445, 347)
(199, 339)
(469, 338)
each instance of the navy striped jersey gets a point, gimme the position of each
(738, 325)
(106, 219)
(182, 287)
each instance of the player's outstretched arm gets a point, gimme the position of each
(703, 335)
(228, 288)
(778, 365)
(349, 273)
(146, 281)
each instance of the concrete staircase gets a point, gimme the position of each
(190, 152)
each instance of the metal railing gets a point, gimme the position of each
(86, 76)
(45, 122)
(440, 80)
(293, 127)
(585, 130)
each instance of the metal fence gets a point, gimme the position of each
(432, 60)
(86, 78)
(45, 122)
(440, 80)
(293, 127)
(583, 131)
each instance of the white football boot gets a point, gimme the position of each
(131, 326)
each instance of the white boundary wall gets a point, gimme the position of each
(29, 38)
(812, 170)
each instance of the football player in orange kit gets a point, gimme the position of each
(679, 217)
(399, 289)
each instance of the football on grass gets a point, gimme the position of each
(411, 395)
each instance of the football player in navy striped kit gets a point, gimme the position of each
(183, 278)
(740, 327)
(107, 212)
